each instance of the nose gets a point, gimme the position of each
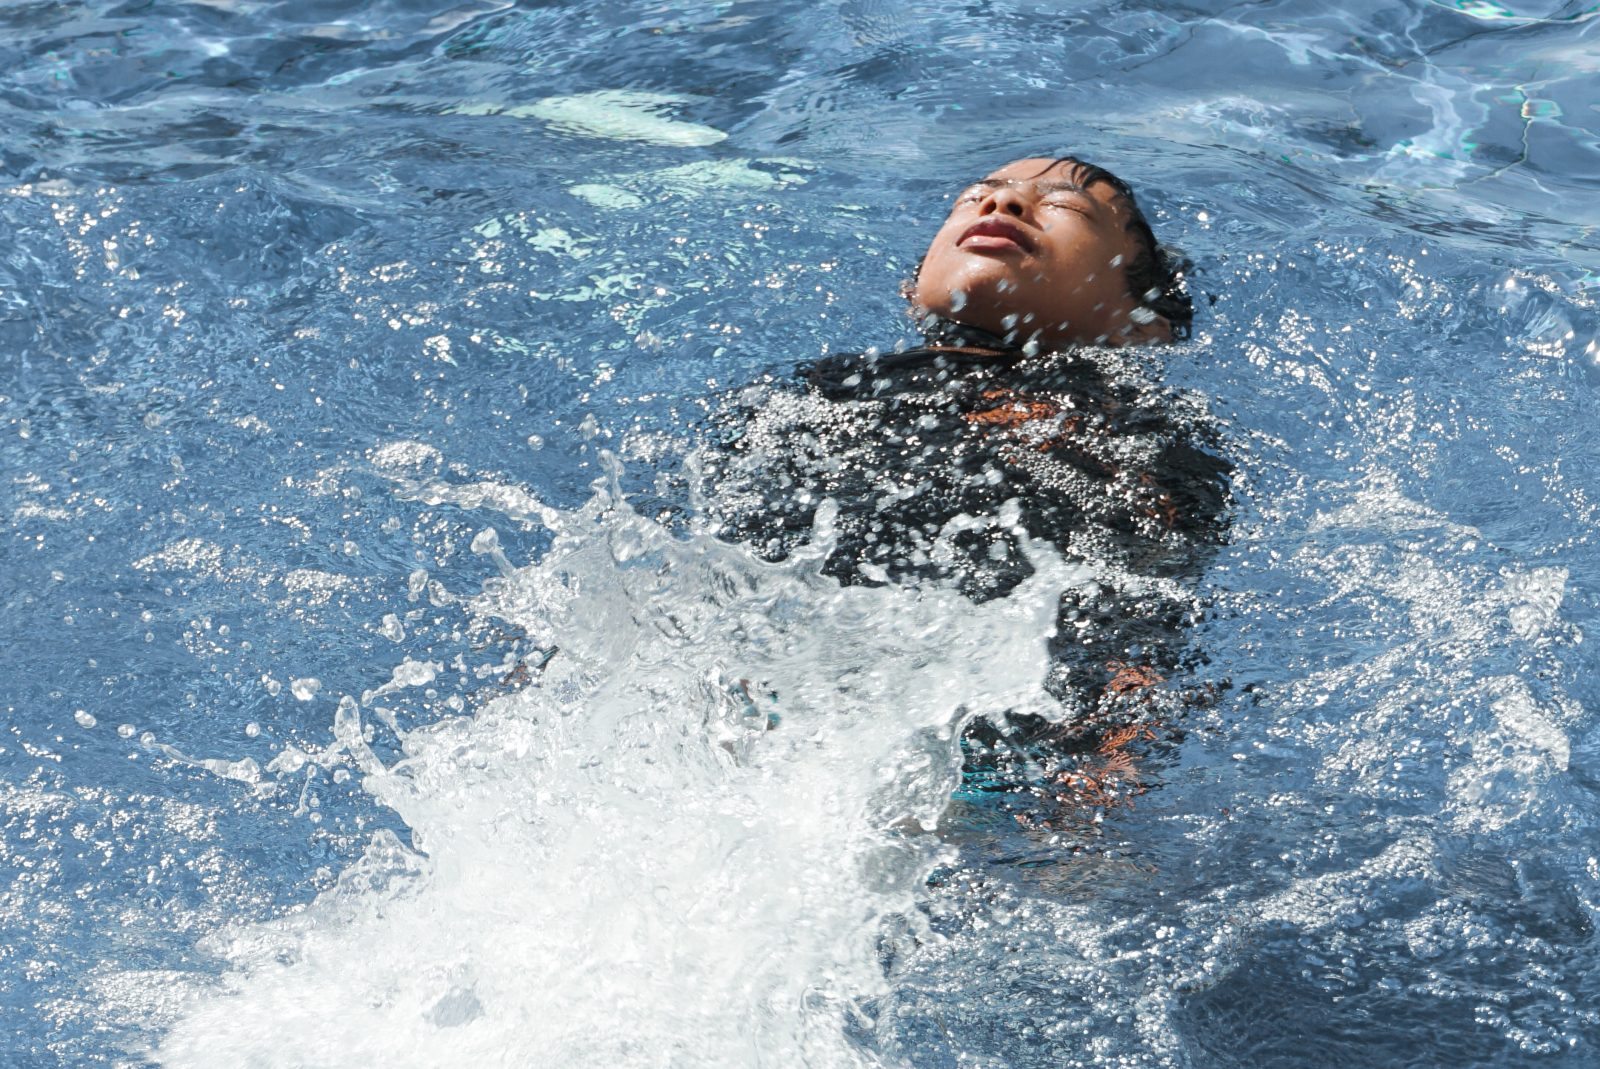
(1007, 200)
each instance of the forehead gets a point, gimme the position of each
(1034, 167)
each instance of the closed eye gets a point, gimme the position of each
(1070, 201)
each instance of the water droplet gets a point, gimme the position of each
(126, 731)
(252, 729)
(84, 718)
(305, 689)
(414, 673)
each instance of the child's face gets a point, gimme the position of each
(1029, 241)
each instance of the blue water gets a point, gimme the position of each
(360, 351)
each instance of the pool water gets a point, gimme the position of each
(375, 695)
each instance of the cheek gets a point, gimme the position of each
(1085, 278)
(942, 253)
(944, 272)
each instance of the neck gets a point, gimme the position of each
(941, 333)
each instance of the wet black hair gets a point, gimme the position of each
(1157, 274)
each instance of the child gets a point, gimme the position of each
(1024, 398)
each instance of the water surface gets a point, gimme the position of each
(352, 355)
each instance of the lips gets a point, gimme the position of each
(996, 233)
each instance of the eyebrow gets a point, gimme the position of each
(1052, 185)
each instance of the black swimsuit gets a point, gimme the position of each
(1097, 458)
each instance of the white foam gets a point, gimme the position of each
(620, 115)
(678, 848)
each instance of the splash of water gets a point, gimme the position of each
(677, 846)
